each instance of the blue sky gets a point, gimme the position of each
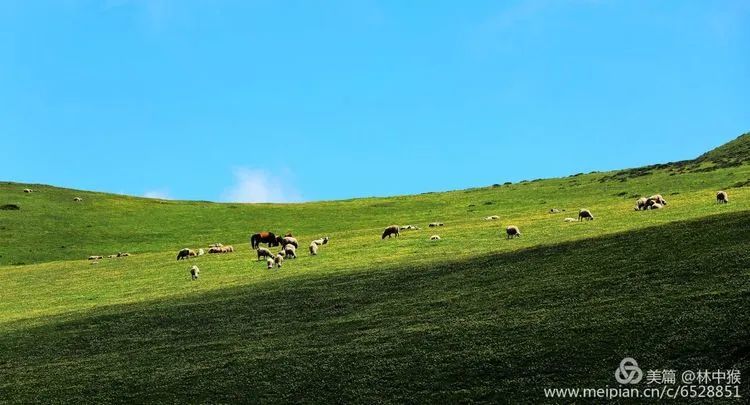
(308, 100)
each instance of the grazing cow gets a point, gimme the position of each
(722, 197)
(263, 237)
(185, 253)
(390, 231)
(512, 232)
(194, 272)
(585, 214)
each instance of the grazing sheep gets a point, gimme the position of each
(185, 253)
(722, 197)
(512, 232)
(434, 224)
(313, 248)
(78, 199)
(657, 198)
(194, 272)
(655, 206)
(288, 240)
(215, 245)
(270, 262)
(263, 252)
(585, 214)
(228, 249)
(123, 254)
(289, 235)
(111, 256)
(641, 204)
(321, 241)
(570, 220)
(201, 252)
(491, 218)
(391, 230)
(434, 237)
(290, 251)
(28, 190)
(216, 250)
(409, 227)
(95, 257)
(279, 259)
(554, 211)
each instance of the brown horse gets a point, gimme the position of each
(263, 237)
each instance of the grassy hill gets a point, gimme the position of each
(473, 317)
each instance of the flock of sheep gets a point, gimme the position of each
(289, 243)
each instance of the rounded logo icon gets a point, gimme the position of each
(628, 372)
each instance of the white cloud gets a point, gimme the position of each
(253, 185)
(158, 194)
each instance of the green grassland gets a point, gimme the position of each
(473, 317)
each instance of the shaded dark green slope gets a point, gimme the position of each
(500, 327)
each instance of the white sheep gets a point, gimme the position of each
(194, 272)
(270, 262)
(570, 220)
(28, 190)
(491, 218)
(434, 237)
(290, 251)
(655, 206)
(77, 199)
(434, 224)
(641, 204)
(321, 241)
(279, 259)
(512, 231)
(313, 248)
(722, 197)
(263, 252)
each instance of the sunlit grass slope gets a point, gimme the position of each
(471, 317)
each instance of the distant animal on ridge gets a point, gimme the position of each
(390, 231)
(722, 197)
(585, 214)
(263, 237)
(512, 232)
(28, 190)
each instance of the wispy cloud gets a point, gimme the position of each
(253, 185)
(158, 194)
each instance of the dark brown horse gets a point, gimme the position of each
(263, 237)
